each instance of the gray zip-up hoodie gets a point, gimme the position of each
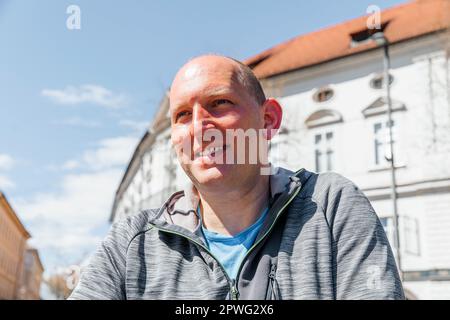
(320, 240)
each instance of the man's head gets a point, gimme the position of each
(210, 96)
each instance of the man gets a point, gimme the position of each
(237, 232)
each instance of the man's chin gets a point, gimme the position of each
(208, 176)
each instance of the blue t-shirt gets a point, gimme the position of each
(230, 250)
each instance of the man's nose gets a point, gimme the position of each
(200, 118)
(201, 121)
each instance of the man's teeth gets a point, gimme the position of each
(209, 151)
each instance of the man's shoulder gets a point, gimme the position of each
(132, 225)
(336, 195)
(330, 190)
(320, 184)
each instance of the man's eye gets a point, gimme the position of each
(221, 102)
(182, 114)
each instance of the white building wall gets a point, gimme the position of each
(437, 230)
(422, 144)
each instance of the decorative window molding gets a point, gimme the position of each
(323, 117)
(379, 106)
(323, 94)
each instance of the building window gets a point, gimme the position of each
(364, 36)
(148, 175)
(381, 142)
(377, 82)
(323, 152)
(323, 94)
(148, 167)
(388, 226)
(411, 235)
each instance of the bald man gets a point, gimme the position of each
(242, 229)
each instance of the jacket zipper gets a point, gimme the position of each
(234, 290)
(272, 283)
(265, 235)
(233, 283)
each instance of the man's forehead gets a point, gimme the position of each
(201, 79)
(207, 68)
(209, 63)
(191, 71)
(206, 65)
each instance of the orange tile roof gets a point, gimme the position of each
(403, 22)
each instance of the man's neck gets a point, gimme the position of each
(231, 212)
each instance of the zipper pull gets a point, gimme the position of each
(273, 270)
(273, 291)
(295, 182)
(234, 290)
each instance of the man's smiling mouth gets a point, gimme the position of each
(210, 152)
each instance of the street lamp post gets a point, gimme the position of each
(381, 40)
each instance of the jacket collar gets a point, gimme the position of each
(180, 208)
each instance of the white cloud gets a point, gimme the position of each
(112, 152)
(68, 224)
(88, 93)
(6, 183)
(82, 199)
(6, 161)
(70, 165)
(63, 225)
(138, 126)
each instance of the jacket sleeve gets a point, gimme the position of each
(365, 267)
(103, 278)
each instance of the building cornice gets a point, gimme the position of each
(12, 214)
(410, 189)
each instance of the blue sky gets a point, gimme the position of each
(73, 103)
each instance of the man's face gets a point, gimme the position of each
(207, 97)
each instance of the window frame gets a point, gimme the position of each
(324, 151)
(380, 140)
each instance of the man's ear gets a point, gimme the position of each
(273, 113)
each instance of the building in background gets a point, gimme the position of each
(13, 239)
(20, 267)
(31, 278)
(330, 85)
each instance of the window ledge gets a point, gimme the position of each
(385, 167)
